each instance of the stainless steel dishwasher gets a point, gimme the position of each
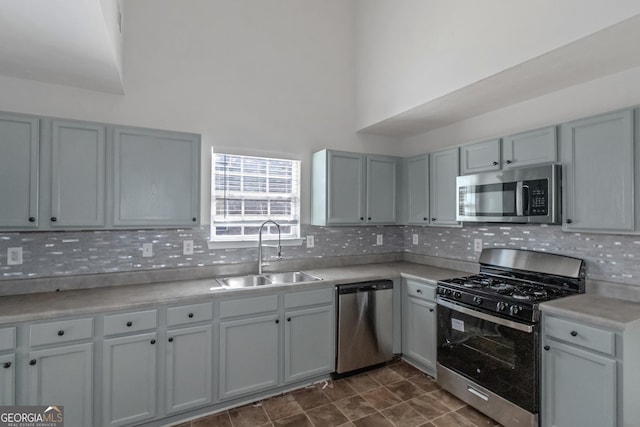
(365, 325)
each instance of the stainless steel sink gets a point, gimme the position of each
(291, 277)
(244, 281)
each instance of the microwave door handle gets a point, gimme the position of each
(525, 199)
(519, 198)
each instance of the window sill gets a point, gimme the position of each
(252, 243)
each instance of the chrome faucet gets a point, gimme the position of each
(260, 264)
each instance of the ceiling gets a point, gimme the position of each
(609, 51)
(71, 42)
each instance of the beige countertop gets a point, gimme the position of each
(46, 305)
(597, 310)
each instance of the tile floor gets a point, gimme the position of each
(397, 395)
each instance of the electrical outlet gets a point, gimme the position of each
(379, 240)
(414, 239)
(14, 256)
(310, 242)
(147, 250)
(477, 245)
(187, 247)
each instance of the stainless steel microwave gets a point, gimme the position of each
(524, 195)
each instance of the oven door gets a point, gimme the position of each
(498, 354)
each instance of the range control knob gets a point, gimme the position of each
(501, 306)
(457, 294)
(515, 309)
(448, 291)
(477, 300)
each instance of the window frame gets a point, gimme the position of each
(247, 240)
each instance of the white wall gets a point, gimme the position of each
(268, 77)
(610, 93)
(413, 51)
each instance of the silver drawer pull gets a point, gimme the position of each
(477, 393)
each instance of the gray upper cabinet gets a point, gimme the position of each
(598, 173)
(156, 178)
(19, 171)
(443, 170)
(480, 156)
(417, 190)
(78, 155)
(530, 148)
(353, 189)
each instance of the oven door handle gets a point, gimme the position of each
(484, 316)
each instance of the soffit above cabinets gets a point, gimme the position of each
(606, 52)
(73, 42)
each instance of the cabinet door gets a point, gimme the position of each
(418, 190)
(188, 369)
(129, 379)
(7, 380)
(420, 338)
(77, 175)
(63, 376)
(19, 163)
(530, 148)
(248, 355)
(382, 184)
(308, 343)
(579, 387)
(480, 157)
(156, 178)
(345, 188)
(443, 201)
(598, 173)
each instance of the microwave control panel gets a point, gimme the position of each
(538, 196)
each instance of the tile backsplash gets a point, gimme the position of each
(612, 258)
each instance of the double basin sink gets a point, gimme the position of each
(254, 280)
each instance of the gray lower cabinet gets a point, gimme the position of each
(598, 156)
(156, 179)
(63, 376)
(188, 371)
(129, 392)
(78, 167)
(419, 324)
(444, 167)
(19, 171)
(7, 379)
(248, 355)
(309, 343)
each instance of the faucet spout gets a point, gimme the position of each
(260, 264)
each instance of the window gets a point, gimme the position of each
(246, 191)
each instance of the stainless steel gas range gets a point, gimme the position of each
(488, 330)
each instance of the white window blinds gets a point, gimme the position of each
(248, 190)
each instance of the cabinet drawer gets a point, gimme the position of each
(60, 332)
(7, 339)
(130, 322)
(188, 314)
(580, 334)
(245, 306)
(421, 290)
(314, 297)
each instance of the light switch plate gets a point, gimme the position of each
(187, 247)
(310, 242)
(14, 256)
(477, 245)
(147, 250)
(379, 240)
(414, 239)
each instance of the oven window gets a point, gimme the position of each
(499, 358)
